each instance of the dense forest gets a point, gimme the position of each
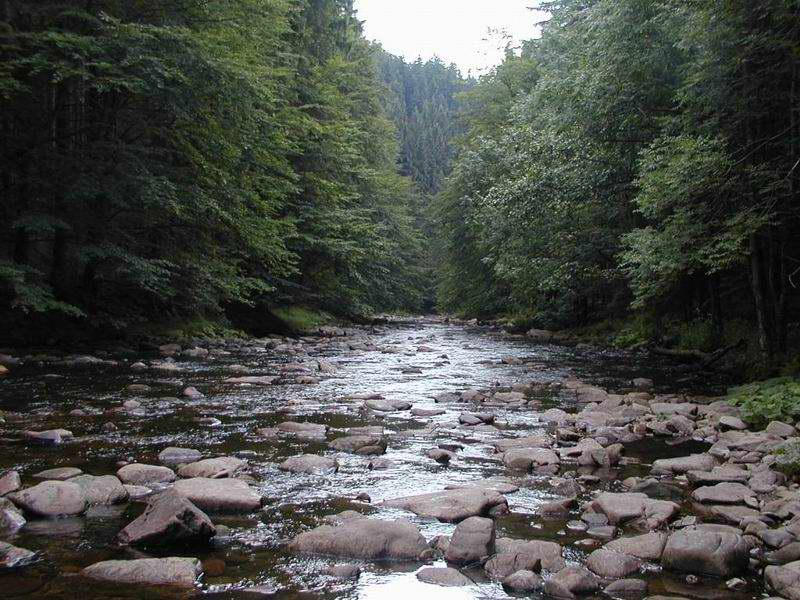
(202, 158)
(639, 156)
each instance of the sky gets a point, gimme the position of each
(454, 30)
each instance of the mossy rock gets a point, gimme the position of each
(787, 458)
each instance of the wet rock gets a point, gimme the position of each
(515, 555)
(369, 539)
(659, 490)
(723, 493)
(219, 495)
(648, 546)
(572, 581)
(105, 490)
(786, 554)
(193, 392)
(58, 474)
(48, 437)
(427, 412)
(683, 464)
(303, 431)
(168, 519)
(137, 492)
(443, 576)
(213, 468)
(140, 474)
(252, 380)
(784, 580)
(51, 499)
(621, 508)
(556, 508)
(602, 532)
(529, 458)
(360, 444)
(441, 456)
(11, 519)
(471, 542)
(344, 571)
(12, 557)
(522, 582)
(173, 571)
(704, 551)
(311, 464)
(452, 506)
(718, 475)
(530, 441)
(172, 457)
(379, 464)
(728, 422)
(610, 564)
(9, 482)
(625, 588)
(387, 405)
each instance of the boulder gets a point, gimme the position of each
(219, 495)
(311, 464)
(303, 431)
(515, 555)
(443, 576)
(12, 557)
(51, 499)
(781, 429)
(784, 580)
(387, 405)
(367, 445)
(172, 457)
(51, 437)
(344, 571)
(452, 506)
(139, 474)
(9, 482)
(58, 474)
(529, 458)
(104, 490)
(609, 564)
(213, 468)
(11, 519)
(718, 475)
(530, 441)
(570, 582)
(723, 493)
(706, 551)
(625, 588)
(523, 582)
(683, 464)
(621, 508)
(471, 542)
(168, 519)
(648, 546)
(173, 571)
(368, 539)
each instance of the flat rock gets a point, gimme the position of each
(443, 576)
(610, 564)
(213, 468)
(12, 557)
(173, 571)
(451, 506)
(51, 499)
(522, 582)
(369, 539)
(781, 429)
(515, 555)
(58, 474)
(572, 581)
(360, 444)
(140, 474)
(718, 475)
(723, 493)
(387, 405)
(103, 490)
(784, 580)
(48, 437)
(427, 412)
(172, 457)
(529, 458)
(9, 482)
(311, 464)
(625, 588)
(704, 551)
(621, 508)
(168, 519)
(683, 464)
(306, 431)
(471, 542)
(530, 441)
(648, 546)
(219, 495)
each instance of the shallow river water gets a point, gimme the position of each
(39, 397)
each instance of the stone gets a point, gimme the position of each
(172, 457)
(471, 542)
(723, 493)
(781, 429)
(443, 576)
(530, 441)
(452, 506)
(104, 490)
(529, 458)
(786, 554)
(50, 437)
(661, 490)
(360, 444)
(625, 588)
(12, 557)
(304, 431)
(11, 519)
(705, 551)
(193, 392)
(219, 495)
(610, 564)
(680, 465)
(522, 582)
(784, 580)
(515, 555)
(368, 539)
(441, 456)
(252, 380)
(51, 499)
(718, 475)
(168, 519)
(58, 474)
(140, 474)
(213, 468)
(571, 581)
(9, 482)
(311, 464)
(427, 412)
(344, 571)
(387, 405)
(648, 546)
(172, 571)
(621, 508)
(728, 422)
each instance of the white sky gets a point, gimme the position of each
(454, 30)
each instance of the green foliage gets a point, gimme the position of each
(301, 319)
(787, 458)
(775, 399)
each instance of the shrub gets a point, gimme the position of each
(787, 458)
(771, 400)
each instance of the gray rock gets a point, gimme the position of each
(387, 405)
(139, 474)
(304, 431)
(168, 519)
(104, 490)
(680, 465)
(369, 539)
(213, 468)
(471, 542)
(360, 444)
(621, 508)
(344, 571)
(443, 576)
(728, 422)
(9, 482)
(58, 474)
(625, 588)
(529, 458)
(530, 441)
(610, 564)
(781, 429)
(51, 437)
(311, 464)
(704, 551)
(172, 457)
(522, 582)
(784, 580)
(718, 475)
(11, 519)
(723, 493)
(51, 499)
(172, 571)
(571, 581)
(452, 506)
(516, 555)
(219, 495)
(12, 557)
(648, 546)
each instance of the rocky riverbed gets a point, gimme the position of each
(420, 458)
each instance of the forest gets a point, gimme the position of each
(633, 166)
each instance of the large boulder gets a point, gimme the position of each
(443, 576)
(523, 582)
(9, 482)
(683, 464)
(471, 542)
(51, 499)
(172, 457)
(531, 441)
(648, 546)
(452, 506)
(169, 518)
(303, 431)
(622, 508)
(706, 551)
(11, 519)
(516, 555)
(213, 468)
(219, 495)
(784, 580)
(613, 565)
(311, 464)
(104, 490)
(529, 458)
(12, 557)
(723, 493)
(570, 582)
(139, 474)
(360, 444)
(173, 571)
(369, 539)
